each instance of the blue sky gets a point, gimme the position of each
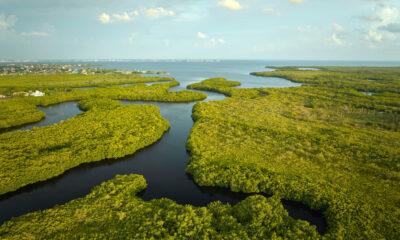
(222, 29)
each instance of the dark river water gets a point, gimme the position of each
(54, 114)
(162, 164)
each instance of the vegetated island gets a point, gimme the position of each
(326, 145)
(107, 130)
(113, 211)
(18, 110)
(103, 132)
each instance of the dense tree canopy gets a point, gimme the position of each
(17, 111)
(366, 79)
(325, 144)
(9, 84)
(223, 85)
(334, 149)
(112, 211)
(107, 130)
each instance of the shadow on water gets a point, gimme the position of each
(162, 164)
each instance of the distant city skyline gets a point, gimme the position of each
(366, 30)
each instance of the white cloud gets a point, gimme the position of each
(337, 27)
(374, 36)
(35, 34)
(337, 40)
(297, 1)
(154, 13)
(201, 35)
(105, 18)
(122, 17)
(231, 4)
(157, 12)
(271, 10)
(8, 32)
(337, 35)
(134, 13)
(208, 42)
(378, 31)
(7, 22)
(388, 15)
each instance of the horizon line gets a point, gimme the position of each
(178, 59)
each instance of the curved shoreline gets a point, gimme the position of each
(225, 195)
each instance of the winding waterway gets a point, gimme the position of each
(162, 164)
(54, 114)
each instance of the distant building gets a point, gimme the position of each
(37, 93)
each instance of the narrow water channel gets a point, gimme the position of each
(162, 164)
(54, 114)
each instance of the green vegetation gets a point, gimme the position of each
(17, 111)
(107, 130)
(98, 103)
(325, 145)
(14, 112)
(223, 85)
(14, 83)
(366, 79)
(112, 211)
